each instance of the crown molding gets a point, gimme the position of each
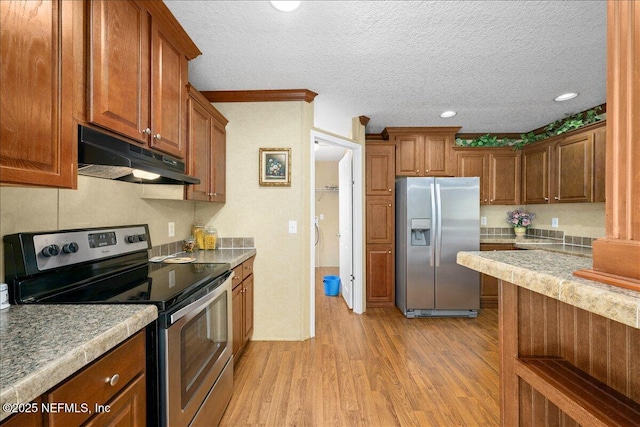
(259, 95)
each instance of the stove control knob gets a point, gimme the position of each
(142, 237)
(51, 250)
(131, 239)
(70, 248)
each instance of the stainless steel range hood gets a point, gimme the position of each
(104, 156)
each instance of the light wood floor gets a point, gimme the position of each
(375, 369)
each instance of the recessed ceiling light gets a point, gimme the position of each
(565, 96)
(448, 114)
(285, 6)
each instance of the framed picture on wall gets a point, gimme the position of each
(275, 167)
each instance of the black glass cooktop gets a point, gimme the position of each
(161, 284)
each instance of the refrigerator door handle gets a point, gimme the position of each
(438, 248)
(433, 213)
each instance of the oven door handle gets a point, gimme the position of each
(198, 305)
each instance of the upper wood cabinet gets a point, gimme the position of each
(498, 169)
(206, 157)
(422, 151)
(138, 73)
(565, 169)
(380, 169)
(39, 139)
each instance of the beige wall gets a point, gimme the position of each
(327, 248)
(282, 268)
(96, 203)
(575, 219)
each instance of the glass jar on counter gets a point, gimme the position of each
(197, 231)
(210, 238)
(189, 244)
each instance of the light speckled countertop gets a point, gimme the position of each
(537, 243)
(551, 274)
(42, 345)
(234, 257)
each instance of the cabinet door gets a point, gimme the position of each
(574, 169)
(409, 155)
(127, 409)
(218, 162)
(436, 155)
(535, 173)
(38, 139)
(199, 133)
(248, 308)
(119, 73)
(380, 215)
(599, 164)
(471, 164)
(169, 93)
(380, 170)
(237, 315)
(504, 176)
(380, 276)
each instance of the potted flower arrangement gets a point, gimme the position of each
(520, 220)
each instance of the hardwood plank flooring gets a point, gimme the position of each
(375, 369)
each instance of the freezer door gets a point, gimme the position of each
(420, 243)
(457, 229)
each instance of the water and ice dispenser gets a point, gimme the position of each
(420, 231)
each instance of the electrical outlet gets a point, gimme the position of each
(554, 222)
(321, 216)
(483, 220)
(172, 229)
(293, 227)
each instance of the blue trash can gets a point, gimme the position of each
(331, 285)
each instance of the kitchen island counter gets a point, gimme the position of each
(551, 274)
(42, 345)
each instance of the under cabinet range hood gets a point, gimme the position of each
(104, 156)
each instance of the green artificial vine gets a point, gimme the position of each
(569, 123)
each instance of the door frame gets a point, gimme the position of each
(358, 225)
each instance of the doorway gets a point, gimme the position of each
(332, 242)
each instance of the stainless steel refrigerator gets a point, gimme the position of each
(435, 219)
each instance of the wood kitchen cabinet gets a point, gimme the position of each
(242, 303)
(498, 169)
(137, 60)
(565, 169)
(380, 223)
(206, 155)
(422, 151)
(39, 139)
(123, 392)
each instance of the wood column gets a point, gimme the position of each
(616, 257)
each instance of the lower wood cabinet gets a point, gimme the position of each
(380, 276)
(489, 284)
(242, 302)
(116, 383)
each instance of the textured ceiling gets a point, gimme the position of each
(499, 64)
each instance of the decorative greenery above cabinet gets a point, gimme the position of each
(558, 127)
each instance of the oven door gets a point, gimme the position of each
(197, 347)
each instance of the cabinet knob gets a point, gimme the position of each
(426, 171)
(389, 204)
(113, 380)
(157, 136)
(146, 131)
(390, 190)
(557, 198)
(491, 200)
(546, 198)
(418, 171)
(389, 252)
(485, 200)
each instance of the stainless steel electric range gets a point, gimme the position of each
(189, 361)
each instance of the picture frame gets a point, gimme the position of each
(275, 167)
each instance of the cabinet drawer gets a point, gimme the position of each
(237, 276)
(91, 386)
(247, 267)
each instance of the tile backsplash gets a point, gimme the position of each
(556, 235)
(222, 243)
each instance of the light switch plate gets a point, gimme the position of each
(172, 229)
(554, 222)
(293, 227)
(483, 220)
